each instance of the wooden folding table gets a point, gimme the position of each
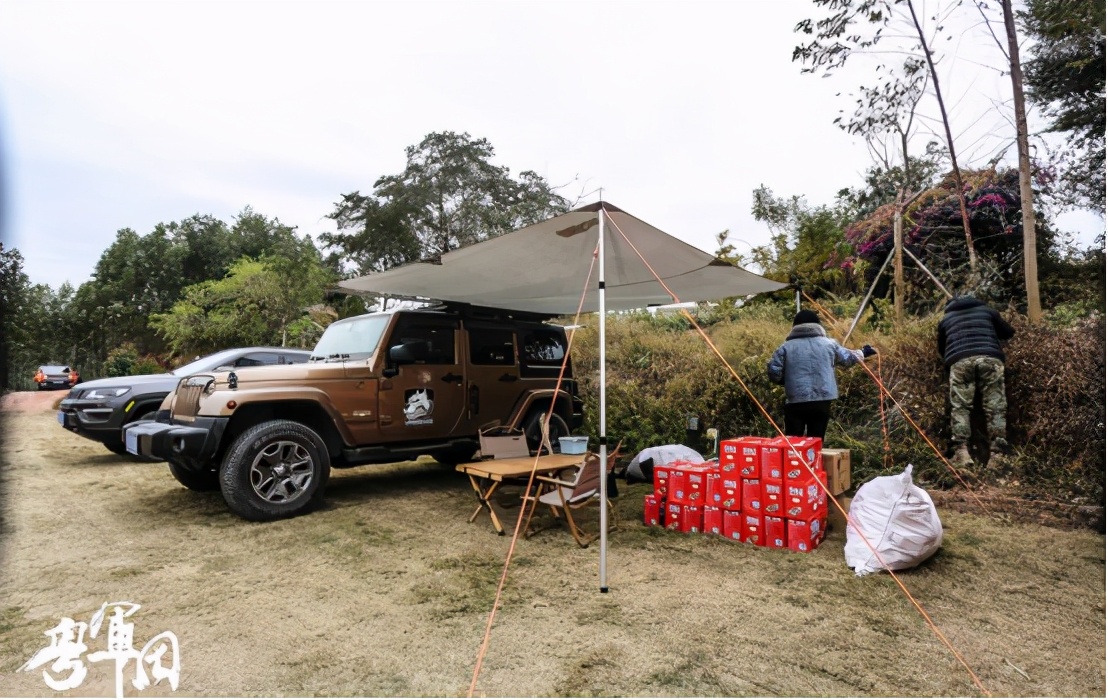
(487, 476)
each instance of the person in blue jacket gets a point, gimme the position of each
(805, 366)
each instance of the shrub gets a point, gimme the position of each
(147, 364)
(120, 360)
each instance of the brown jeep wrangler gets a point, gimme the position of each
(379, 388)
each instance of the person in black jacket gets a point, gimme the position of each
(969, 343)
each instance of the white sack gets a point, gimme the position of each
(898, 519)
(662, 454)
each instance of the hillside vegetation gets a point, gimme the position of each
(660, 370)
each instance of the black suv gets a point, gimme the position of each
(98, 409)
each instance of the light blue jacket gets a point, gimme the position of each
(805, 364)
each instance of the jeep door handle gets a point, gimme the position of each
(451, 377)
(508, 377)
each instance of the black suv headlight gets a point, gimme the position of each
(111, 392)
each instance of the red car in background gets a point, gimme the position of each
(56, 377)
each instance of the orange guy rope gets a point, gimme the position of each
(530, 483)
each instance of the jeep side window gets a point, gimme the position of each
(425, 341)
(541, 352)
(543, 347)
(491, 346)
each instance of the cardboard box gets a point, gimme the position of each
(696, 483)
(751, 457)
(837, 465)
(752, 497)
(733, 525)
(673, 516)
(731, 493)
(800, 457)
(650, 510)
(752, 530)
(713, 520)
(806, 499)
(836, 520)
(803, 535)
(713, 495)
(772, 462)
(661, 481)
(773, 498)
(774, 532)
(691, 519)
(677, 490)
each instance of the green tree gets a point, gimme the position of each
(806, 243)
(1065, 77)
(449, 195)
(14, 288)
(259, 302)
(373, 236)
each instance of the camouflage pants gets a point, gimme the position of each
(978, 374)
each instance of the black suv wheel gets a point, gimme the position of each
(207, 480)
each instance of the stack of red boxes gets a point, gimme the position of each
(765, 491)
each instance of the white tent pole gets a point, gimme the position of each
(603, 416)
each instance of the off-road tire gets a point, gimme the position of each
(207, 480)
(532, 430)
(274, 470)
(117, 447)
(453, 458)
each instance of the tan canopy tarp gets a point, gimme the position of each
(543, 268)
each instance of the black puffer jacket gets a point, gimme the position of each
(970, 328)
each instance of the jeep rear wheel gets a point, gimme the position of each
(206, 480)
(532, 430)
(276, 469)
(452, 458)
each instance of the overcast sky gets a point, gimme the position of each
(123, 115)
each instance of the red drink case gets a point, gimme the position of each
(650, 510)
(733, 525)
(774, 531)
(713, 520)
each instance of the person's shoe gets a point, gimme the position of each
(962, 458)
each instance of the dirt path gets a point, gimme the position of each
(387, 590)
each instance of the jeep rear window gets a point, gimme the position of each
(354, 338)
(543, 347)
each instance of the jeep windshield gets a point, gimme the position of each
(350, 339)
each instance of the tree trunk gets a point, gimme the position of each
(1030, 252)
(898, 258)
(949, 141)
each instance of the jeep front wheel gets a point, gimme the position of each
(276, 469)
(532, 430)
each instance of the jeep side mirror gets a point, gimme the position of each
(398, 355)
(401, 354)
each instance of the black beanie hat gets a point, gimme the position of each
(805, 316)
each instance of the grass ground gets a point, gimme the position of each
(386, 591)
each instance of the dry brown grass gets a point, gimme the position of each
(386, 591)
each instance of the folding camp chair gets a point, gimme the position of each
(498, 442)
(572, 489)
